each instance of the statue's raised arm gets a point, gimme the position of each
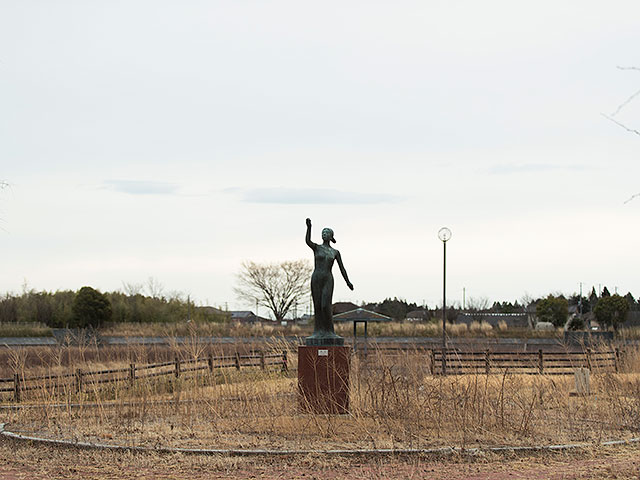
(308, 237)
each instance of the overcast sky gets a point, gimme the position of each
(175, 139)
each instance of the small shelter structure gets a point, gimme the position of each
(360, 315)
(246, 316)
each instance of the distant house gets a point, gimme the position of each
(247, 316)
(342, 307)
(212, 310)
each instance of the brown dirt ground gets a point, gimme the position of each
(22, 460)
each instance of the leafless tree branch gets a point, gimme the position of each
(626, 102)
(632, 197)
(620, 124)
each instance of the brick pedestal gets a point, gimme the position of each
(323, 379)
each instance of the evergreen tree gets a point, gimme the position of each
(90, 308)
(631, 301)
(611, 311)
(553, 309)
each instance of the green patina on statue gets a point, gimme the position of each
(322, 288)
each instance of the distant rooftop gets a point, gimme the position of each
(361, 315)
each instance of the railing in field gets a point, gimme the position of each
(461, 362)
(80, 379)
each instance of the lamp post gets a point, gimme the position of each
(444, 234)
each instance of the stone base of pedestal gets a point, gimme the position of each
(323, 379)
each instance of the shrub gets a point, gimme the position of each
(90, 309)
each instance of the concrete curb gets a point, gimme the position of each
(436, 452)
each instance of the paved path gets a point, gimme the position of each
(25, 461)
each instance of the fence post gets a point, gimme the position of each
(262, 363)
(177, 367)
(589, 359)
(210, 361)
(132, 373)
(616, 359)
(16, 387)
(78, 380)
(237, 361)
(285, 367)
(432, 360)
(540, 361)
(487, 361)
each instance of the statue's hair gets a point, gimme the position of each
(330, 230)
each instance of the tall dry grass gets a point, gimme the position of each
(380, 329)
(394, 403)
(27, 329)
(202, 329)
(434, 329)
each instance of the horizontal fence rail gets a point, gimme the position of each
(81, 380)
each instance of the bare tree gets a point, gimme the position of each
(132, 289)
(276, 286)
(154, 288)
(477, 307)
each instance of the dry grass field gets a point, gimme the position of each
(395, 403)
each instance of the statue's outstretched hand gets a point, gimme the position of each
(308, 222)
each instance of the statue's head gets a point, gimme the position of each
(327, 234)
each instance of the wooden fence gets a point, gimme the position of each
(454, 361)
(78, 381)
(459, 362)
(548, 363)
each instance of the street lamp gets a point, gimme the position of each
(444, 234)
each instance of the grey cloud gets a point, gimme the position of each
(136, 187)
(308, 196)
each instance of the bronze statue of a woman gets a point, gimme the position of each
(322, 288)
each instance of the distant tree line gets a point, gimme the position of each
(609, 310)
(392, 307)
(88, 307)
